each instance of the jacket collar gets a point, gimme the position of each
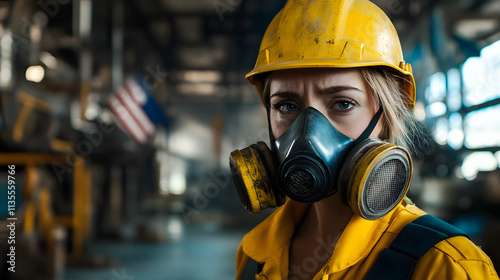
(270, 237)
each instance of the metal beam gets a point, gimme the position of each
(486, 104)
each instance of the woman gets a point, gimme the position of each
(333, 80)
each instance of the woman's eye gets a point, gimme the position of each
(287, 107)
(343, 105)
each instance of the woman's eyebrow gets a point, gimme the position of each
(284, 93)
(325, 91)
(335, 89)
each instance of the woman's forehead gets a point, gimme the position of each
(319, 77)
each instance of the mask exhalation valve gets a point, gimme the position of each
(300, 182)
(306, 178)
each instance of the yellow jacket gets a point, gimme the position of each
(357, 249)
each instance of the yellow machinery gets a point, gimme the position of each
(40, 204)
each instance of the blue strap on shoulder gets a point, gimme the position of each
(415, 239)
(251, 269)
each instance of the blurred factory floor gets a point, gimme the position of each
(190, 252)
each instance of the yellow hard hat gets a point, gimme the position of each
(331, 33)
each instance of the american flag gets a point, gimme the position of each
(136, 110)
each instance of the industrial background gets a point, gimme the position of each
(103, 191)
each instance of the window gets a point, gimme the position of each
(456, 108)
(482, 128)
(480, 76)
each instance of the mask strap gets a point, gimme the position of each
(370, 127)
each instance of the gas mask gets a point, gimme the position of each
(312, 160)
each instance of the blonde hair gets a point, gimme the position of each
(398, 121)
